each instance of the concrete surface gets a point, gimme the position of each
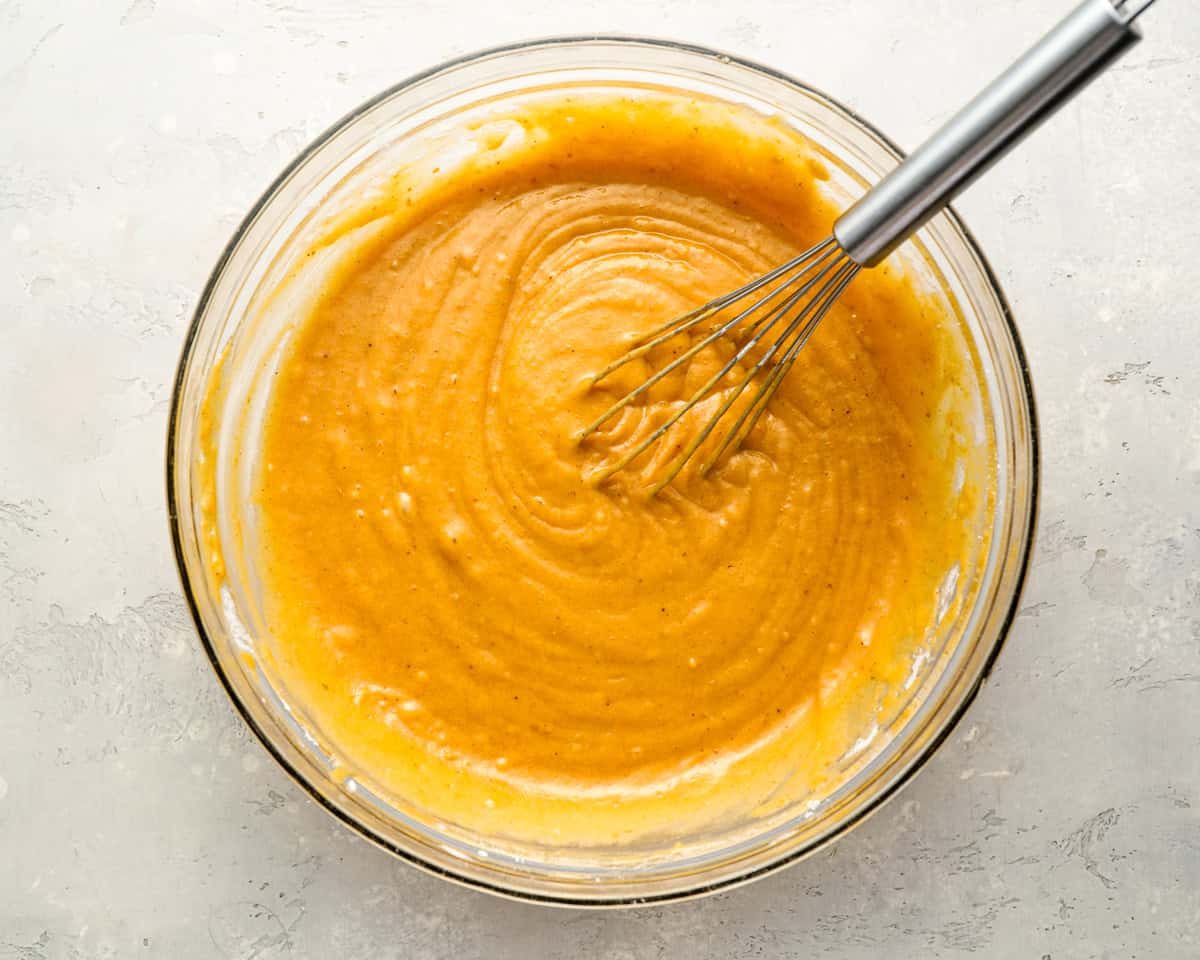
(138, 818)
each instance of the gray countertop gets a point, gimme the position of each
(137, 815)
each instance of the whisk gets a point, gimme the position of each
(774, 315)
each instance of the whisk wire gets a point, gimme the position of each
(755, 408)
(673, 328)
(760, 329)
(719, 303)
(754, 371)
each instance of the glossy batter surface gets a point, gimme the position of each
(485, 631)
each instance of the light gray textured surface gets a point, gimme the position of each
(138, 818)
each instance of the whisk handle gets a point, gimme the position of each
(1077, 50)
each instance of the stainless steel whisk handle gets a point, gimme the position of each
(1063, 62)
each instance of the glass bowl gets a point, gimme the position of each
(239, 331)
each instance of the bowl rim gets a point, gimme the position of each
(920, 759)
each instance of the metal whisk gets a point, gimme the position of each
(774, 315)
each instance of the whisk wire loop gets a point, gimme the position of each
(801, 266)
(824, 268)
(754, 410)
(659, 335)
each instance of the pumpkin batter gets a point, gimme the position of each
(485, 632)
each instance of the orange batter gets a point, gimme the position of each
(494, 638)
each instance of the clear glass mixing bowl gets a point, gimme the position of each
(235, 337)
